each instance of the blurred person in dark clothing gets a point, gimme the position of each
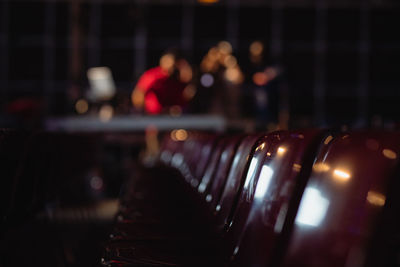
(164, 87)
(220, 82)
(261, 90)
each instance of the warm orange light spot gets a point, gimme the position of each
(260, 78)
(328, 139)
(376, 198)
(225, 47)
(390, 154)
(189, 92)
(321, 167)
(175, 111)
(234, 75)
(230, 61)
(341, 175)
(256, 48)
(281, 150)
(260, 147)
(81, 106)
(181, 135)
(173, 135)
(167, 61)
(106, 113)
(296, 167)
(185, 71)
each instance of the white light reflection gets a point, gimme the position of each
(313, 208)
(177, 160)
(165, 156)
(281, 150)
(263, 181)
(341, 175)
(250, 172)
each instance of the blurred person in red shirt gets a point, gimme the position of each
(164, 87)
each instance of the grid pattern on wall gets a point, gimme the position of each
(342, 62)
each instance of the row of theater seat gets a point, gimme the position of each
(287, 198)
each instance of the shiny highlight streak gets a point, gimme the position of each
(341, 175)
(376, 199)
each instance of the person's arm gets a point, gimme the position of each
(137, 97)
(138, 93)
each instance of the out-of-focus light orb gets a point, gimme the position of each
(98, 73)
(189, 92)
(233, 75)
(106, 113)
(376, 198)
(180, 135)
(96, 183)
(213, 53)
(260, 78)
(225, 47)
(390, 154)
(185, 72)
(281, 151)
(321, 167)
(175, 111)
(81, 106)
(173, 135)
(167, 61)
(256, 48)
(230, 61)
(341, 175)
(207, 80)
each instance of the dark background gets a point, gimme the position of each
(341, 58)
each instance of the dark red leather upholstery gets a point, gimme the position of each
(343, 200)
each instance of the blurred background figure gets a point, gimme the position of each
(165, 88)
(328, 53)
(220, 82)
(262, 98)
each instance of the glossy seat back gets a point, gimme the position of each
(224, 165)
(235, 180)
(206, 149)
(212, 166)
(266, 210)
(238, 214)
(200, 155)
(344, 201)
